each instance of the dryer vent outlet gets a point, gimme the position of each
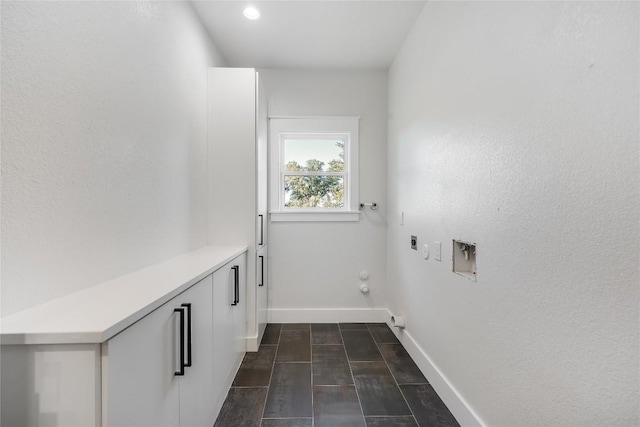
(397, 322)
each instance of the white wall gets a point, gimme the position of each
(316, 265)
(515, 125)
(103, 142)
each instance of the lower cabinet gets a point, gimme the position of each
(159, 371)
(171, 368)
(174, 366)
(229, 325)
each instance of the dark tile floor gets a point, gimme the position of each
(347, 374)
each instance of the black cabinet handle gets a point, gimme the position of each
(180, 310)
(188, 307)
(261, 229)
(261, 270)
(237, 284)
(236, 287)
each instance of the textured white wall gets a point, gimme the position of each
(515, 125)
(103, 142)
(316, 265)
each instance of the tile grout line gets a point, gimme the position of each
(290, 363)
(249, 386)
(326, 344)
(400, 344)
(273, 366)
(334, 385)
(389, 416)
(313, 412)
(355, 387)
(394, 378)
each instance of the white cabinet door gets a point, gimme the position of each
(262, 280)
(223, 354)
(262, 121)
(196, 386)
(140, 387)
(229, 325)
(240, 310)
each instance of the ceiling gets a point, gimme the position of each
(310, 34)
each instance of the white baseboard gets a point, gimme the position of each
(449, 395)
(252, 343)
(327, 315)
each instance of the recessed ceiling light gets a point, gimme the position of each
(251, 13)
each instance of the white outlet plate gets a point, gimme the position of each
(437, 248)
(425, 251)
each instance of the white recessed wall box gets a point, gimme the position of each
(464, 259)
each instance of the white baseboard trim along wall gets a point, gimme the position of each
(252, 343)
(328, 315)
(449, 395)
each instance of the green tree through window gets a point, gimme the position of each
(312, 185)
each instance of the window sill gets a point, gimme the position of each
(347, 216)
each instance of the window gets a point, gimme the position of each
(314, 169)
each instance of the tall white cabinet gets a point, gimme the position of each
(237, 153)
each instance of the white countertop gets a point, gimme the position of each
(96, 314)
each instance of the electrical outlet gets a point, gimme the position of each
(437, 251)
(414, 243)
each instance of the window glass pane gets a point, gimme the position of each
(313, 191)
(314, 155)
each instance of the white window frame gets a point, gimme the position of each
(344, 128)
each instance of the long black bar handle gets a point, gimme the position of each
(261, 230)
(235, 285)
(180, 310)
(261, 270)
(188, 307)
